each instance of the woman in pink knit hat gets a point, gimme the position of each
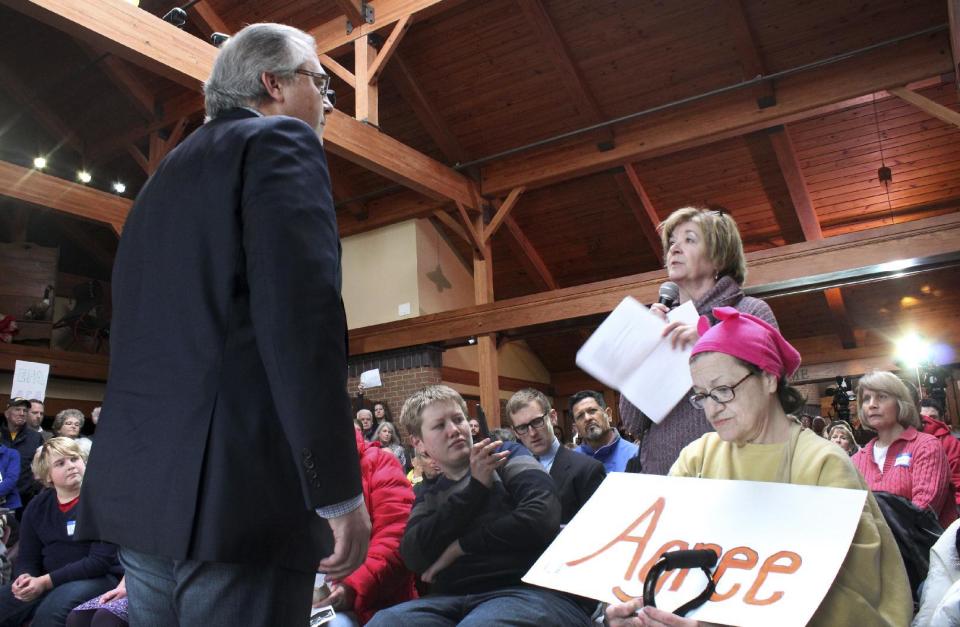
(740, 368)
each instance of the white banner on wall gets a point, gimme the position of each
(30, 380)
(776, 563)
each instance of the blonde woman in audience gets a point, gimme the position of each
(388, 440)
(68, 424)
(841, 434)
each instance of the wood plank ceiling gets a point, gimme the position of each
(474, 79)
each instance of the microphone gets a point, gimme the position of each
(669, 294)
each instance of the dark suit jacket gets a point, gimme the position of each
(226, 419)
(577, 477)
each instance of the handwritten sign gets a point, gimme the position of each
(30, 380)
(775, 567)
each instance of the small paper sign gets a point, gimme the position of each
(30, 380)
(775, 566)
(371, 379)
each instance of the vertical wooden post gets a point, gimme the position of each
(366, 93)
(486, 344)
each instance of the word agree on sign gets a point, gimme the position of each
(775, 566)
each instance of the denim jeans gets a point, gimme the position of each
(518, 606)
(166, 593)
(52, 608)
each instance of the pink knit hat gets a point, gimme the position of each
(749, 338)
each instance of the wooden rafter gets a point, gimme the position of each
(487, 345)
(352, 10)
(367, 92)
(800, 96)
(451, 223)
(54, 124)
(156, 45)
(749, 56)
(570, 75)
(389, 47)
(209, 17)
(332, 35)
(841, 318)
(49, 191)
(338, 70)
(343, 189)
(953, 12)
(502, 212)
(797, 186)
(190, 107)
(528, 255)
(930, 107)
(636, 197)
(429, 117)
(475, 238)
(125, 78)
(917, 238)
(140, 158)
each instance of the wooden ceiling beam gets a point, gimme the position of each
(343, 189)
(524, 249)
(122, 75)
(150, 42)
(919, 238)
(352, 10)
(930, 107)
(635, 195)
(406, 205)
(570, 75)
(476, 239)
(953, 13)
(37, 108)
(743, 38)
(697, 124)
(170, 112)
(44, 190)
(841, 318)
(367, 97)
(389, 47)
(797, 186)
(338, 70)
(429, 117)
(503, 211)
(451, 223)
(210, 18)
(334, 34)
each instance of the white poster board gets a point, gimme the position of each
(30, 380)
(370, 379)
(777, 562)
(628, 353)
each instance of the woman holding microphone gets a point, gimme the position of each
(704, 256)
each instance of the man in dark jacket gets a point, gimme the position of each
(16, 434)
(577, 476)
(225, 465)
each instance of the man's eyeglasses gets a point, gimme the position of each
(721, 394)
(536, 423)
(322, 83)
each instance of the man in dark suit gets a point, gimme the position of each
(577, 476)
(226, 464)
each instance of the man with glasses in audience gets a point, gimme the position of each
(226, 464)
(576, 476)
(599, 439)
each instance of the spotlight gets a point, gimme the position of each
(84, 177)
(471, 340)
(40, 163)
(119, 187)
(218, 39)
(913, 350)
(176, 16)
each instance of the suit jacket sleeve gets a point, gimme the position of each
(292, 250)
(590, 481)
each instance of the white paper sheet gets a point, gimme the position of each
(371, 379)
(30, 380)
(627, 353)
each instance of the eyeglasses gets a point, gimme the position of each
(536, 423)
(322, 82)
(722, 394)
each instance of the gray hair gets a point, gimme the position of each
(258, 48)
(62, 417)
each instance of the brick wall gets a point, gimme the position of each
(402, 373)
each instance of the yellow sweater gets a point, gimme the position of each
(871, 587)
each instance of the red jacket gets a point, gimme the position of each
(915, 468)
(382, 580)
(951, 446)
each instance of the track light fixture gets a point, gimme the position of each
(176, 16)
(218, 39)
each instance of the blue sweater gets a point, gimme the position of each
(613, 456)
(46, 547)
(9, 473)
